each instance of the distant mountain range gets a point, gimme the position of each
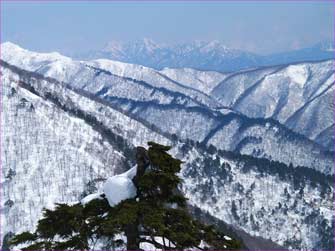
(202, 55)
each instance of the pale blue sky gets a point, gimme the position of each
(261, 27)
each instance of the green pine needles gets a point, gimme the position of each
(157, 216)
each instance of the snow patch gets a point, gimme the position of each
(298, 74)
(90, 197)
(227, 238)
(120, 187)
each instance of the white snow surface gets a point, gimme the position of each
(80, 75)
(298, 74)
(204, 81)
(291, 94)
(227, 238)
(90, 197)
(120, 187)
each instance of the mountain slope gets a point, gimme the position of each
(175, 112)
(291, 94)
(204, 81)
(68, 141)
(57, 144)
(81, 74)
(299, 96)
(256, 137)
(271, 201)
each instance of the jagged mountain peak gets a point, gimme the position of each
(206, 48)
(149, 45)
(141, 45)
(203, 55)
(113, 45)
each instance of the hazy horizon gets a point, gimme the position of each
(259, 27)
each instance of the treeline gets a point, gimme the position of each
(297, 175)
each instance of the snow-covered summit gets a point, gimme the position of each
(23, 58)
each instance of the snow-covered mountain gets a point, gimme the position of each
(59, 143)
(300, 96)
(82, 74)
(175, 108)
(204, 81)
(204, 55)
(58, 146)
(263, 199)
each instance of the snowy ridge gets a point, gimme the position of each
(294, 95)
(256, 137)
(171, 110)
(81, 75)
(204, 81)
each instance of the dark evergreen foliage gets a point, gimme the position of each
(159, 210)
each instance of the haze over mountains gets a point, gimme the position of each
(203, 55)
(256, 144)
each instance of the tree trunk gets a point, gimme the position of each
(132, 237)
(132, 233)
(142, 161)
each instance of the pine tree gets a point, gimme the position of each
(159, 210)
